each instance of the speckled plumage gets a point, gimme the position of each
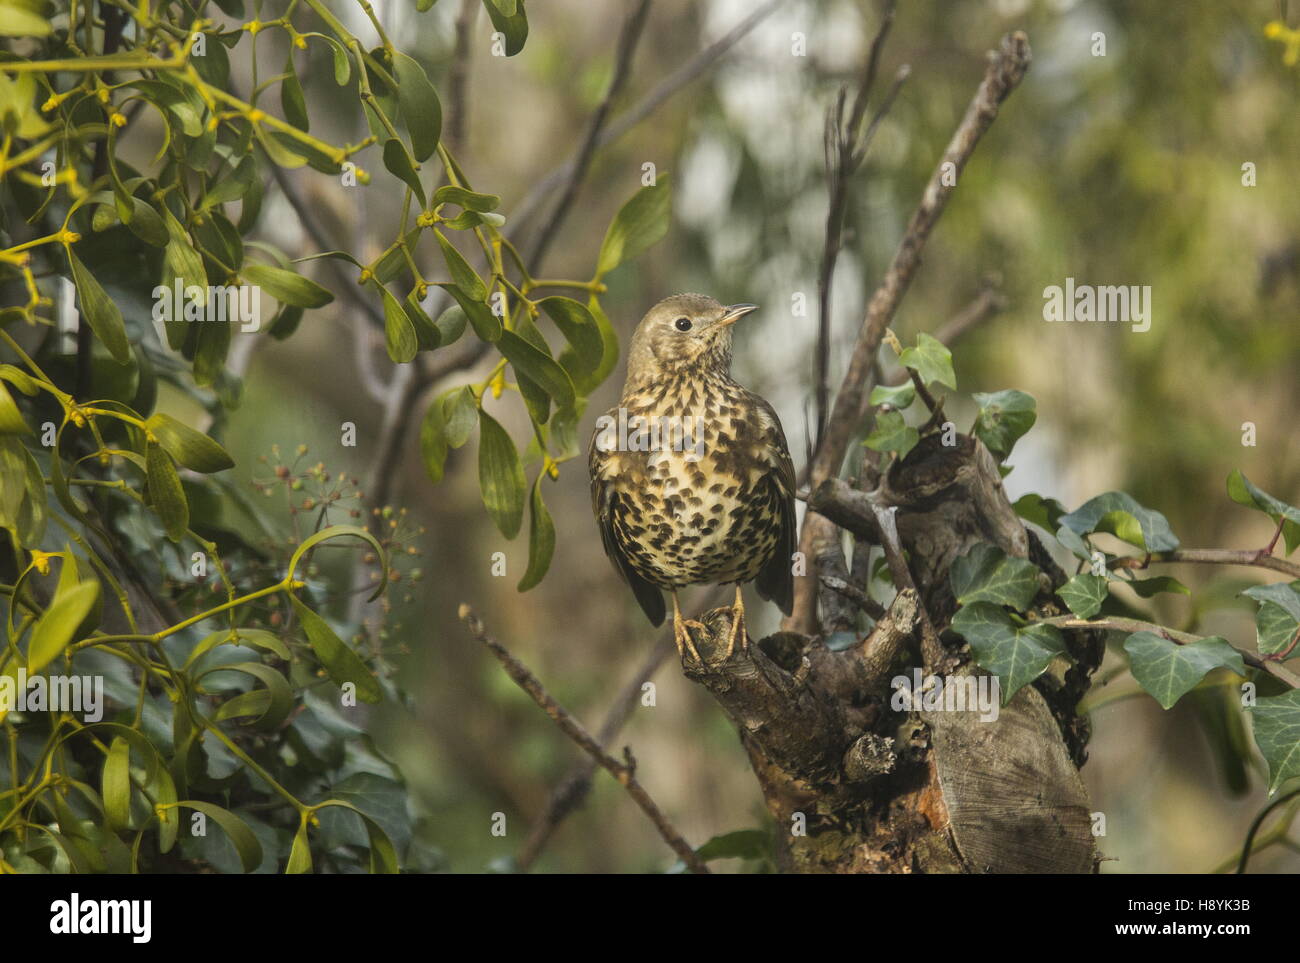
(715, 508)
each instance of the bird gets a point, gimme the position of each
(691, 477)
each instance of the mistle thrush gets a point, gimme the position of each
(691, 479)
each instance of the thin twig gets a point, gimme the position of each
(453, 133)
(855, 595)
(1005, 71)
(1213, 556)
(675, 81)
(627, 42)
(624, 772)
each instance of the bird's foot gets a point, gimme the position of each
(682, 635)
(737, 629)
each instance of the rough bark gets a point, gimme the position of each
(858, 780)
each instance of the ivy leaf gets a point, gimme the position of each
(191, 448)
(1241, 491)
(166, 493)
(500, 476)
(742, 844)
(1084, 594)
(988, 574)
(420, 105)
(342, 664)
(99, 310)
(931, 360)
(1276, 722)
(641, 222)
(891, 433)
(1278, 619)
(541, 538)
(1148, 587)
(896, 396)
(1120, 514)
(1003, 418)
(1017, 655)
(1044, 512)
(1169, 671)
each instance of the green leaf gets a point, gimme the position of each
(896, 396)
(1003, 418)
(286, 286)
(342, 664)
(342, 62)
(641, 222)
(501, 476)
(99, 310)
(1084, 594)
(11, 419)
(433, 441)
(1169, 671)
(420, 105)
(988, 574)
(460, 414)
(280, 153)
(1076, 545)
(299, 853)
(292, 101)
(166, 493)
(486, 325)
(383, 857)
(451, 324)
(538, 367)
(576, 323)
(1044, 512)
(1276, 722)
(17, 20)
(462, 275)
(1016, 654)
(269, 707)
(541, 538)
(1143, 527)
(399, 333)
(402, 166)
(931, 360)
(742, 844)
(608, 349)
(342, 531)
(1147, 587)
(1278, 619)
(116, 789)
(891, 433)
(245, 843)
(1241, 491)
(191, 448)
(57, 627)
(513, 26)
(470, 200)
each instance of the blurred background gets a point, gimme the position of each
(1124, 168)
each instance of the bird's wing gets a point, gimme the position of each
(604, 504)
(776, 579)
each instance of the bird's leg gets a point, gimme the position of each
(681, 636)
(737, 626)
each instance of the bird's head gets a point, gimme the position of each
(684, 332)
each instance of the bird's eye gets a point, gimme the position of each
(682, 324)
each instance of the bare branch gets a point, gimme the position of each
(453, 132)
(675, 81)
(1005, 71)
(627, 42)
(624, 772)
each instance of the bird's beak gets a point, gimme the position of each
(735, 312)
